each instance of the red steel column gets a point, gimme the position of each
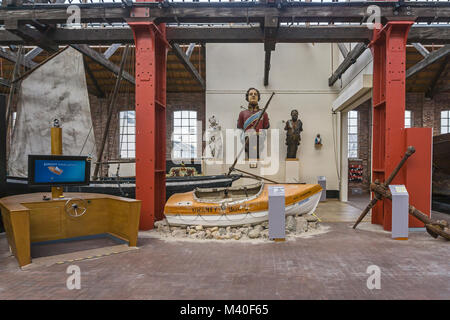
(151, 56)
(389, 63)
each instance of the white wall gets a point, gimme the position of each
(299, 76)
(355, 85)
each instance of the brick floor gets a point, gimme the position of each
(328, 266)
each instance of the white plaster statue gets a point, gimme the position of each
(213, 140)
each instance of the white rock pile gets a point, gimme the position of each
(295, 225)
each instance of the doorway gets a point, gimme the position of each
(359, 137)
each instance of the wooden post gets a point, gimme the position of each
(2, 145)
(9, 103)
(13, 86)
(110, 113)
(56, 136)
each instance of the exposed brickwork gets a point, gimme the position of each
(441, 103)
(414, 102)
(364, 145)
(175, 101)
(425, 113)
(99, 112)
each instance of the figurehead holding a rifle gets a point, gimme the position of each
(251, 121)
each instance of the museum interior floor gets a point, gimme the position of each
(330, 265)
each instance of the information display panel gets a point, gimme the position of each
(57, 170)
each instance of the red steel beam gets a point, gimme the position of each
(151, 59)
(389, 60)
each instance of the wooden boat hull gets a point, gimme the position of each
(441, 152)
(127, 186)
(441, 173)
(184, 209)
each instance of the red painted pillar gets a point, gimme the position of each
(389, 145)
(151, 58)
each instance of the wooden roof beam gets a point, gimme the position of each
(111, 50)
(30, 35)
(33, 53)
(267, 57)
(223, 12)
(40, 39)
(101, 59)
(100, 93)
(271, 25)
(190, 50)
(317, 34)
(13, 87)
(348, 61)
(428, 60)
(47, 44)
(11, 56)
(422, 50)
(343, 49)
(4, 82)
(432, 89)
(189, 66)
(11, 3)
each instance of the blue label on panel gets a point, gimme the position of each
(59, 171)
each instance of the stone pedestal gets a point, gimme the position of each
(292, 173)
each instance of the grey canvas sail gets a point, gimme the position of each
(56, 90)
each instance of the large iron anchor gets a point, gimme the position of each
(381, 190)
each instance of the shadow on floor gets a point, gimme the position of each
(359, 201)
(52, 248)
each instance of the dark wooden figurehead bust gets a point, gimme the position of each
(293, 128)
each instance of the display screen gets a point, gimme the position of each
(58, 170)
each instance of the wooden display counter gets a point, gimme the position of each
(28, 218)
